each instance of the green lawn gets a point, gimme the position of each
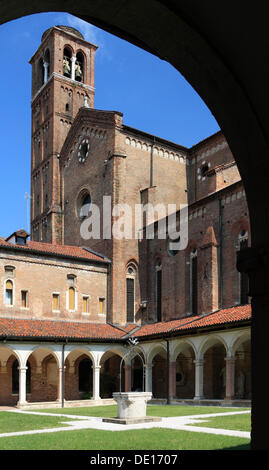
(110, 411)
(236, 422)
(143, 439)
(14, 422)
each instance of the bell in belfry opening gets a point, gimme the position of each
(78, 71)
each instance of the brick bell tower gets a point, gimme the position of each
(62, 82)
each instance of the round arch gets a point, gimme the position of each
(209, 342)
(188, 36)
(8, 351)
(118, 350)
(76, 352)
(241, 338)
(181, 347)
(154, 350)
(47, 350)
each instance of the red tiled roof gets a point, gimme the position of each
(228, 315)
(57, 250)
(46, 329)
(57, 329)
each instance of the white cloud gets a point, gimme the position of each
(89, 31)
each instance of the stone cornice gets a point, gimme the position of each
(61, 77)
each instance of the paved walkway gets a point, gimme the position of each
(182, 423)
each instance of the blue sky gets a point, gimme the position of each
(150, 93)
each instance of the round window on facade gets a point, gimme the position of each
(83, 151)
(204, 169)
(84, 203)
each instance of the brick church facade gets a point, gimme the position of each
(70, 301)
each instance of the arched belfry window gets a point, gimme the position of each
(46, 64)
(243, 243)
(67, 62)
(41, 72)
(79, 67)
(130, 293)
(158, 272)
(193, 282)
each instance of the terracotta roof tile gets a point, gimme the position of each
(46, 329)
(57, 329)
(53, 249)
(229, 315)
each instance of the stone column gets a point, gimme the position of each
(148, 378)
(230, 366)
(22, 385)
(199, 379)
(73, 62)
(96, 382)
(60, 388)
(172, 379)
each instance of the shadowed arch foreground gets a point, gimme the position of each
(220, 49)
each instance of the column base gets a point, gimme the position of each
(198, 398)
(22, 404)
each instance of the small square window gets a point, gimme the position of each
(24, 299)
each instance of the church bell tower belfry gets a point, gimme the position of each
(62, 82)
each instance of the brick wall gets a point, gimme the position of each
(42, 277)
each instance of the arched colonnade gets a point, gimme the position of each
(207, 366)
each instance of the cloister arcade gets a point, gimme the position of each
(212, 366)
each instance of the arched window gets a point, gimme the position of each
(84, 202)
(193, 282)
(67, 62)
(9, 293)
(71, 298)
(173, 246)
(158, 271)
(79, 67)
(243, 243)
(130, 293)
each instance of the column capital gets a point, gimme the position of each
(199, 362)
(229, 359)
